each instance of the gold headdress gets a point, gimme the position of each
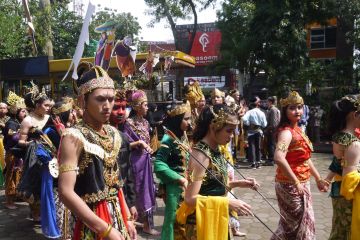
(222, 118)
(81, 69)
(293, 98)
(355, 101)
(35, 92)
(194, 93)
(217, 92)
(181, 109)
(102, 80)
(63, 108)
(15, 102)
(138, 97)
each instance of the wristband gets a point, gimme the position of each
(106, 233)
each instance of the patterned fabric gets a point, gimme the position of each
(114, 209)
(218, 167)
(273, 117)
(341, 221)
(209, 187)
(141, 166)
(98, 162)
(12, 176)
(342, 208)
(351, 191)
(299, 151)
(169, 166)
(63, 217)
(344, 139)
(299, 221)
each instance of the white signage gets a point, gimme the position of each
(207, 81)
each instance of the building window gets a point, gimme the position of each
(323, 38)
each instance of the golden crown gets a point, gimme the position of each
(35, 92)
(102, 80)
(293, 98)
(194, 93)
(15, 102)
(217, 92)
(222, 118)
(181, 109)
(63, 108)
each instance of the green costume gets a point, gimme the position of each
(342, 208)
(169, 167)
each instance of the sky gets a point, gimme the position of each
(161, 31)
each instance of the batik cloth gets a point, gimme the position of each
(341, 220)
(298, 222)
(351, 191)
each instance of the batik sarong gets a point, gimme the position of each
(298, 222)
(341, 221)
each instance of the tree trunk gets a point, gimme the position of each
(172, 23)
(46, 7)
(194, 30)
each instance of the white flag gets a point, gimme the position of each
(84, 38)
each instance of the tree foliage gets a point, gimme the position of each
(65, 26)
(268, 35)
(271, 36)
(172, 10)
(126, 25)
(14, 40)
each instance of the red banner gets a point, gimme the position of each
(206, 47)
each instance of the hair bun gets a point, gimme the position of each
(337, 105)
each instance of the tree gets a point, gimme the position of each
(14, 42)
(172, 10)
(63, 28)
(66, 28)
(126, 24)
(269, 36)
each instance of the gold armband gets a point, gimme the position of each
(68, 168)
(196, 178)
(282, 146)
(106, 233)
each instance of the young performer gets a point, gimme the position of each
(31, 129)
(13, 156)
(137, 129)
(342, 124)
(118, 120)
(170, 165)
(89, 182)
(292, 181)
(208, 178)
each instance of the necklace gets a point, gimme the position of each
(140, 127)
(105, 140)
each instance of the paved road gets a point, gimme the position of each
(14, 224)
